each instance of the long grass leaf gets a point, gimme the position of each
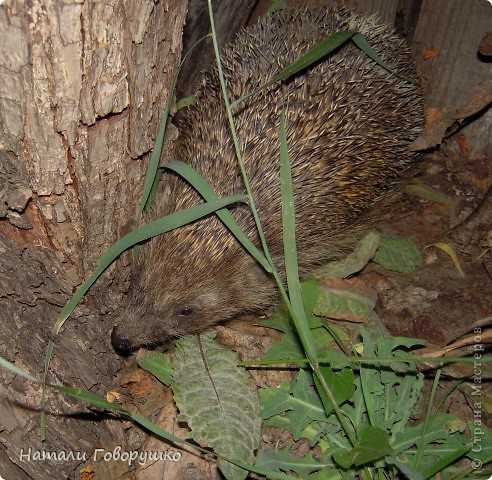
(363, 44)
(14, 369)
(322, 49)
(208, 194)
(100, 402)
(421, 443)
(237, 149)
(290, 249)
(295, 300)
(159, 141)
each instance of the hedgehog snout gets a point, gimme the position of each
(120, 341)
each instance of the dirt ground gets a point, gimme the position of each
(436, 303)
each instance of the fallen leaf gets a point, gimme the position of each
(445, 247)
(432, 115)
(433, 133)
(485, 46)
(462, 143)
(431, 53)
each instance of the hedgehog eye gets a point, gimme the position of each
(186, 312)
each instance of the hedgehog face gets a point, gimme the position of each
(174, 294)
(170, 317)
(174, 301)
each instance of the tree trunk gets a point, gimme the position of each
(83, 86)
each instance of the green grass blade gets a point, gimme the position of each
(295, 300)
(237, 148)
(323, 48)
(159, 141)
(363, 44)
(421, 444)
(16, 370)
(208, 194)
(290, 249)
(313, 55)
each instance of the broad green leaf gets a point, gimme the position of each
(327, 474)
(288, 348)
(309, 288)
(342, 384)
(157, 363)
(215, 397)
(344, 303)
(399, 254)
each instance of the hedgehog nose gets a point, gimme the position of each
(120, 342)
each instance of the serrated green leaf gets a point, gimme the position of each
(354, 262)
(342, 384)
(157, 363)
(437, 433)
(279, 320)
(284, 461)
(274, 400)
(399, 254)
(305, 404)
(373, 443)
(288, 348)
(215, 398)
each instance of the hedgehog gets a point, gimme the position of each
(349, 124)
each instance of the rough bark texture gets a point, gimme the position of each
(83, 86)
(229, 17)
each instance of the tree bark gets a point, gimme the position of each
(83, 86)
